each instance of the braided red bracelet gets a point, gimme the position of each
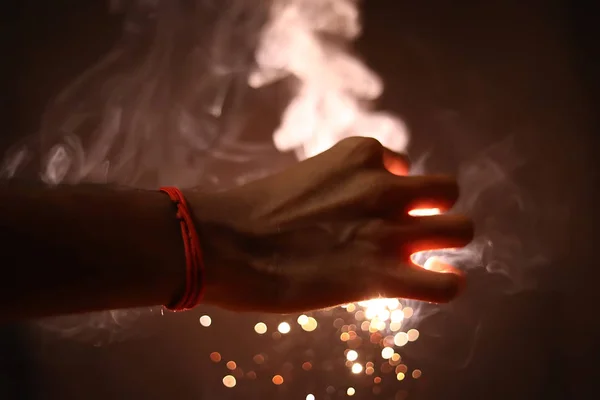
(194, 265)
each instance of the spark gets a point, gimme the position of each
(284, 328)
(260, 328)
(357, 368)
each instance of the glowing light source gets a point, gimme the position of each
(277, 380)
(357, 368)
(284, 328)
(387, 353)
(205, 321)
(400, 376)
(310, 325)
(302, 320)
(229, 381)
(413, 335)
(424, 212)
(352, 355)
(416, 373)
(260, 328)
(400, 339)
(310, 397)
(351, 391)
(231, 365)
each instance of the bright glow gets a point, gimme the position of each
(424, 212)
(302, 320)
(277, 380)
(413, 335)
(357, 368)
(205, 321)
(310, 325)
(231, 365)
(229, 381)
(387, 353)
(352, 355)
(350, 391)
(400, 339)
(284, 328)
(400, 376)
(310, 397)
(260, 328)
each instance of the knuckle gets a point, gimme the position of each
(361, 149)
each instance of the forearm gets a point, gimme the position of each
(83, 248)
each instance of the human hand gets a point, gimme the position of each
(330, 230)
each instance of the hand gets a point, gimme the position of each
(330, 230)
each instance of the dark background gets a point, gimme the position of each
(463, 76)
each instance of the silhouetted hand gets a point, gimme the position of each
(330, 230)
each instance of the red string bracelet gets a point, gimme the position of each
(194, 265)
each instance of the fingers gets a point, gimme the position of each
(440, 284)
(396, 164)
(418, 234)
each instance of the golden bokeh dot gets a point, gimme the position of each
(377, 380)
(369, 370)
(370, 364)
(408, 312)
(229, 381)
(310, 325)
(352, 355)
(260, 328)
(400, 376)
(395, 326)
(387, 353)
(357, 368)
(205, 321)
(360, 315)
(396, 357)
(310, 397)
(351, 307)
(231, 365)
(303, 319)
(417, 373)
(344, 337)
(307, 366)
(412, 334)
(365, 326)
(351, 391)
(400, 339)
(277, 380)
(215, 356)
(284, 328)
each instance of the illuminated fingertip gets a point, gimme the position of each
(424, 212)
(436, 264)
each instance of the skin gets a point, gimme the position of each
(330, 230)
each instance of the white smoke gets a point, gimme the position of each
(308, 40)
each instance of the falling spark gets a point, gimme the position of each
(303, 320)
(260, 328)
(229, 381)
(352, 355)
(357, 368)
(284, 328)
